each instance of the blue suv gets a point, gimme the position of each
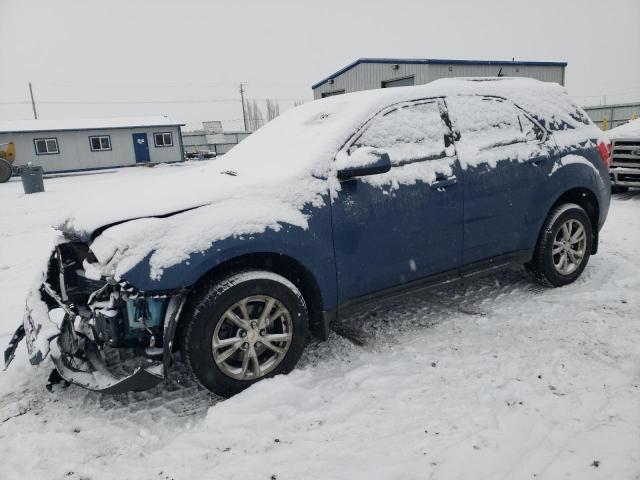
(335, 205)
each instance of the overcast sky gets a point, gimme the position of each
(185, 58)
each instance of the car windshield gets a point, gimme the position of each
(304, 138)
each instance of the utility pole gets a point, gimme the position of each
(33, 102)
(244, 114)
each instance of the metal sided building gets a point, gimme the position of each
(613, 115)
(212, 138)
(75, 145)
(368, 73)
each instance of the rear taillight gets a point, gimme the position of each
(604, 149)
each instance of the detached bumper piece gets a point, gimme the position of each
(10, 351)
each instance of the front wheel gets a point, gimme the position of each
(564, 246)
(250, 326)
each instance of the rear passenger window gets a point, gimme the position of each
(408, 133)
(490, 122)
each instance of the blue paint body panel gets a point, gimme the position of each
(386, 237)
(311, 247)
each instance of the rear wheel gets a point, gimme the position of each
(564, 246)
(250, 326)
(5, 170)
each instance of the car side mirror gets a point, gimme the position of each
(365, 161)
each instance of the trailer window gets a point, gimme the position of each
(46, 146)
(163, 139)
(100, 143)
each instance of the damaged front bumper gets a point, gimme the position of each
(55, 327)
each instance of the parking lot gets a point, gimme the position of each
(496, 378)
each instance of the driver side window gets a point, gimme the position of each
(408, 133)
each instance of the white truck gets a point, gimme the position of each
(625, 157)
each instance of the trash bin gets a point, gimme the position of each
(32, 181)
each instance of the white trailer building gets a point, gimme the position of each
(368, 73)
(212, 138)
(75, 145)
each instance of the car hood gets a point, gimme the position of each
(167, 191)
(163, 217)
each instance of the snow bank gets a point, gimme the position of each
(628, 130)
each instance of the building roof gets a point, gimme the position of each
(14, 126)
(418, 61)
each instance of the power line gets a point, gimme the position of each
(144, 102)
(158, 85)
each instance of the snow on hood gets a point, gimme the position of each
(266, 180)
(628, 130)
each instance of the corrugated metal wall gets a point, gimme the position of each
(217, 142)
(546, 73)
(366, 76)
(616, 114)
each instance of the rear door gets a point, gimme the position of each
(396, 227)
(504, 165)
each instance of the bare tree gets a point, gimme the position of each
(254, 116)
(297, 103)
(273, 109)
(257, 116)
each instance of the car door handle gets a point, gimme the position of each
(537, 161)
(443, 182)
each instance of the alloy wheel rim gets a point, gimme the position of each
(569, 247)
(252, 337)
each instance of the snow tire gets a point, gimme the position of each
(542, 265)
(208, 310)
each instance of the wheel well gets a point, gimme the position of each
(589, 202)
(283, 265)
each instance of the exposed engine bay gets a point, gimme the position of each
(102, 334)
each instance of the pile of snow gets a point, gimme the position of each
(628, 130)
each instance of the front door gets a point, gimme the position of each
(141, 147)
(406, 224)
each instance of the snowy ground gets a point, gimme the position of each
(495, 379)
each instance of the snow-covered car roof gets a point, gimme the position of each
(628, 130)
